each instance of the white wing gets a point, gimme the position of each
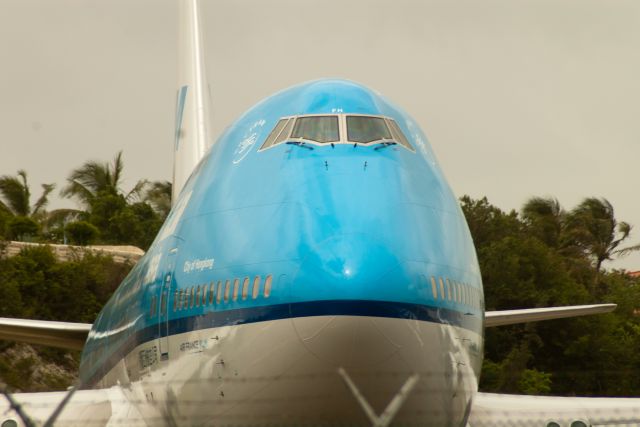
(504, 410)
(44, 332)
(510, 317)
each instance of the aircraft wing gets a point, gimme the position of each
(510, 317)
(56, 334)
(490, 410)
(85, 408)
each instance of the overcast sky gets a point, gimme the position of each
(519, 98)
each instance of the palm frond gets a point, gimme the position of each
(626, 251)
(44, 198)
(137, 191)
(15, 194)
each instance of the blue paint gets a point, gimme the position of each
(326, 228)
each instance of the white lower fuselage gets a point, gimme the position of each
(285, 372)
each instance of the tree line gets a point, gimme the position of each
(106, 214)
(546, 256)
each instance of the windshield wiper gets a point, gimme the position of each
(384, 144)
(300, 144)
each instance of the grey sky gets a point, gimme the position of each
(519, 98)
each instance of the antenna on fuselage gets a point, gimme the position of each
(193, 102)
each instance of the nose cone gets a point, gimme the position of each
(346, 266)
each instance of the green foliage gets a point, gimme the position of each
(81, 232)
(36, 286)
(548, 257)
(22, 228)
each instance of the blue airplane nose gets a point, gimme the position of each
(345, 266)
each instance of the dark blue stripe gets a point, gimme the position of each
(241, 316)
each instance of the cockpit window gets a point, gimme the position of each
(398, 135)
(364, 129)
(337, 129)
(320, 129)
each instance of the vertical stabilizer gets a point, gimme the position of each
(193, 103)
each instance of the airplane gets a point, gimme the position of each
(315, 270)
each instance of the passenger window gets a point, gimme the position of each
(212, 290)
(163, 303)
(186, 298)
(267, 286)
(152, 309)
(458, 292)
(452, 290)
(448, 290)
(198, 296)
(193, 294)
(227, 288)
(245, 288)
(321, 129)
(434, 287)
(204, 294)
(236, 286)
(441, 287)
(364, 129)
(256, 287)
(175, 301)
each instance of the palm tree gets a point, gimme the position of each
(93, 180)
(15, 196)
(548, 217)
(592, 224)
(158, 195)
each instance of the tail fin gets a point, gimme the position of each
(193, 103)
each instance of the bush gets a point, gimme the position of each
(22, 228)
(81, 232)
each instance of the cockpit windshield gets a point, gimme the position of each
(366, 129)
(322, 129)
(337, 129)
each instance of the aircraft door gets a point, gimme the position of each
(164, 311)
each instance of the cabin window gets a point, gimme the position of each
(212, 290)
(236, 287)
(320, 129)
(175, 300)
(441, 287)
(364, 129)
(267, 286)
(434, 287)
(204, 294)
(198, 296)
(458, 292)
(193, 294)
(245, 288)
(256, 287)
(152, 309)
(163, 303)
(227, 288)
(452, 291)
(219, 293)
(186, 299)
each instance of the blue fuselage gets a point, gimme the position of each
(337, 229)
